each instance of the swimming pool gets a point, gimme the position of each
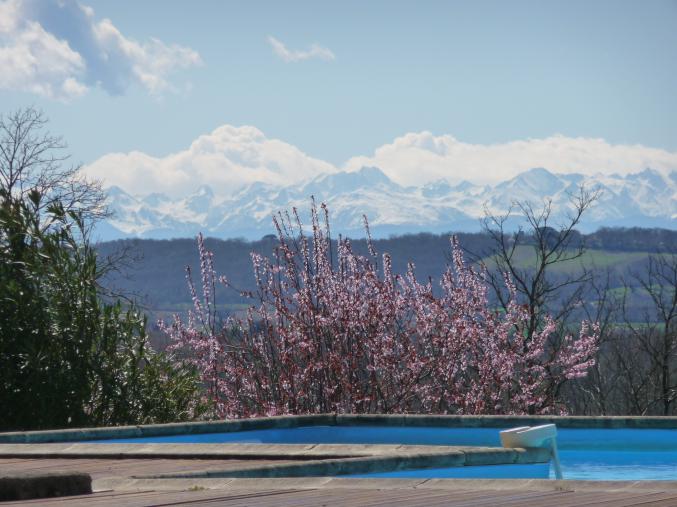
(588, 454)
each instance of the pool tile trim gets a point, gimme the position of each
(279, 422)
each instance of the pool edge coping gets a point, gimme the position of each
(290, 421)
(308, 460)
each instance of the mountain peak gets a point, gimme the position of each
(651, 175)
(115, 191)
(204, 191)
(117, 198)
(537, 172)
(437, 188)
(463, 186)
(155, 199)
(538, 181)
(201, 200)
(373, 175)
(346, 182)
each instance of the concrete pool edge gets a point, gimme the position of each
(311, 460)
(281, 422)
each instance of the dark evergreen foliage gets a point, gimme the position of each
(67, 358)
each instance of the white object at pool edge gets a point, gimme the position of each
(536, 436)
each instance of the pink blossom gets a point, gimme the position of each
(329, 332)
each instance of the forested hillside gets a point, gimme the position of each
(154, 270)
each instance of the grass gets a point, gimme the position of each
(525, 258)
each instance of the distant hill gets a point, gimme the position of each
(155, 269)
(646, 199)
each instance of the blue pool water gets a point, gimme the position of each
(593, 454)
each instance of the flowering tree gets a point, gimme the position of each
(331, 331)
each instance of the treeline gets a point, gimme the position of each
(154, 270)
(633, 239)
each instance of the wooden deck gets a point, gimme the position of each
(321, 491)
(106, 468)
(359, 497)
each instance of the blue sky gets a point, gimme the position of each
(484, 73)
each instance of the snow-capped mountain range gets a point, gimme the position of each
(646, 199)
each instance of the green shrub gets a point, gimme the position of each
(67, 356)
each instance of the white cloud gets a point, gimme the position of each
(225, 159)
(230, 157)
(38, 62)
(417, 158)
(290, 56)
(57, 49)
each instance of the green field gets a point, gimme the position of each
(526, 257)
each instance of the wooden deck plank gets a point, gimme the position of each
(517, 498)
(572, 499)
(336, 498)
(362, 497)
(663, 499)
(98, 468)
(82, 500)
(308, 498)
(637, 499)
(604, 499)
(492, 498)
(402, 499)
(273, 498)
(370, 498)
(438, 497)
(672, 502)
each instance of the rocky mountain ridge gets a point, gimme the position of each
(645, 199)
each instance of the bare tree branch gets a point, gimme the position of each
(34, 162)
